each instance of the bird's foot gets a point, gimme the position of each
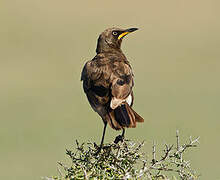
(98, 149)
(118, 139)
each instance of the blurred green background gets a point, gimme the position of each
(43, 47)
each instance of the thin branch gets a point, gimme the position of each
(167, 152)
(154, 153)
(177, 140)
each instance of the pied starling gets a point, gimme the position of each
(108, 81)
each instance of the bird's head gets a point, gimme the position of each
(111, 39)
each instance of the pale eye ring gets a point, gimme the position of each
(114, 33)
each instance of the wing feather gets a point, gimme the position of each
(121, 85)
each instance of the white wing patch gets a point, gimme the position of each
(129, 100)
(117, 102)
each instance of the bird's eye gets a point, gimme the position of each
(114, 33)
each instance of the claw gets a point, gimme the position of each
(118, 139)
(98, 151)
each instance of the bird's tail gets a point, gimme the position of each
(124, 116)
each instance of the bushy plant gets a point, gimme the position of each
(127, 160)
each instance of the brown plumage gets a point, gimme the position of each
(108, 81)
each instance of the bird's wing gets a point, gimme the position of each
(89, 74)
(96, 73)
(122, 84)
(96, 81)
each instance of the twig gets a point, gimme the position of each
(178, 144)
(154, 153)
(167, 152)
(177, 140)
(60, 172)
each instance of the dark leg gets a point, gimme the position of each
(120, 137)
(123, 133)
(103, 136)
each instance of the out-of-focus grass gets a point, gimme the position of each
(43, 46)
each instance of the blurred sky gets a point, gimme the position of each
(43, 47)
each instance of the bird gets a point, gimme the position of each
(108, 80)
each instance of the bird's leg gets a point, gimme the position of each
(120, 137)
(103, 136)
(123, 133)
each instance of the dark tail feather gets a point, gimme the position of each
(121, 115)
(124, 116)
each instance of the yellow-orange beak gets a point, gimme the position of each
(127, 31)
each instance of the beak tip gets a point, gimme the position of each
(132, 29)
